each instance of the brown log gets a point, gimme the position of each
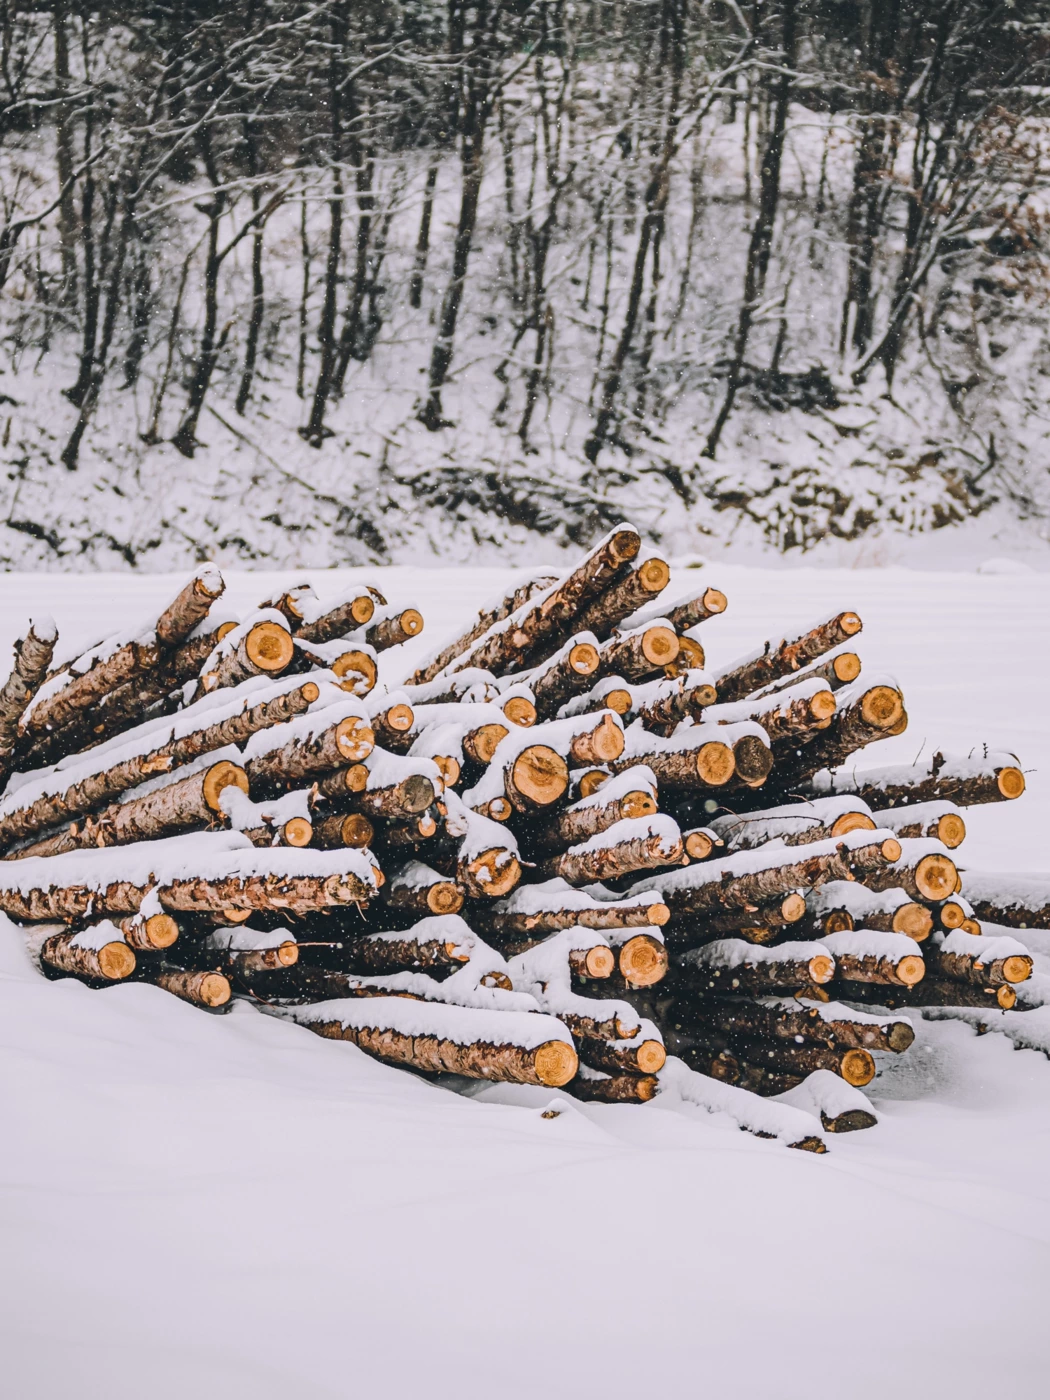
(937, 992)
(396, 801)
(930, 877)
(783, 974)
(851, 1120)
(411, 831)
(33, 654)
(710, 765)
(640, 655)
(392, 631)
(511, 648)
(266, 649)
(392, 725)
(853, 1065)
(634, 590)
(968, 967)
(439, 896)
(598, 962)
(343, 829)
(642, 960)
(555, 683)
(602, 744)
(520, 710)
(664, 715)
(596, 1026)
(480, 745)
(379, 954)
(487, 619)
(347, 741)
(244, 963)
(150, 934)
(574, 825)
(289, 603)
(947, 827)
(756, 1020)
(906, 971)
(781, 658)
(587, 782)
(864, 720)
(185, 805)
(690, 658)
(645, 1057)
(111, 963)
(912, 919)
(552, 1064)
(91, 792)
(585, 867)
(759, 924)
(503, 925)
(190, 608)
(797, 721)
(614, 1088)
(490, 875)
(938, 778)
(207, 989)
(696, 610)
(296, 832)
(752, 761)
(839, 670)
(346, 617)
(538, 777)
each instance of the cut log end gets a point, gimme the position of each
(356, 830)
(690, 657)
(660, 646)
(449, 768)
(792, 907)
(362, 609)
(911, 970)
(116, 961)
(698, 845)
(297, 832)
(499, 809)
(623, 546)
(951, 914)
(310, 691)
(753, 760)
(221, 776)
(591, 781)
(1006, 997)
(857, 1068)
(584, 659)
(950, 829)
(915, 920)
(354, 738)
(852, 1121)
(838, 921)
(540, 775)
(599, 962)
(638, 804)
(444, 897)
(653, 575)
(288, 953)
(619, 701)
(269, 646)
(715, 764)
(411, 622)
(520, 711)
(846, 667)
(657, 915)
(555, 1063)
(214, 989)
(882, 706)
(852, 821)
(823, 705)
(936, 877)
(890, 849)
(822, 969)
(417, 793)
(714, 601)
(356, 671)
(1010, 782)
(651, 1057)
(400, 718)
(493, 874)
(482, 743)
(642, 960)
(850, 623)
(159, 930)
(1017, 969)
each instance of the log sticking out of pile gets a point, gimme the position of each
(33, 654)
(967, 780)
(780, 658)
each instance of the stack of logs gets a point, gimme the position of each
(562, 849)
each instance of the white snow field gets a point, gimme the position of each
(196, 1206)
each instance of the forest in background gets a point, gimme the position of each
(332, 282)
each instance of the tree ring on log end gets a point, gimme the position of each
(356, 830)
(310, 691)
(822, 969)
(1010, 782)
(641, 804)
(839, 921)
(502, 874)
(297, 831)
(443, 897)
(161, 930)
(951, 830)
(660, 645)
(850, 623)
(654, 575)
(882, 706)
(846, 667)
(520, 711)
(651, 1057)
(643, 960)
(715, 763)
(411, 622)
(952, 914)
(214, 989)
(555, 1063)
(823, 705)
(417, 793)
(657, 915)
(915, 920)
(116, 961)
(852, 821)
(221, 776)
(449, 769)
(540, 774)
(911, 970)
(890, 849)
(592, 780)
(753, 759)
(484, 741)
(858, 1068)
(690, 655)
(698, 845)
(269, 646)
(400, 717)
(1017, 969)
(584, 659)
(362, 609)
(356, 671)
(936, 877)
(1006, 997)
(623, 546)
(619, 701)
(600, 961)
(499, 809)
(236, 916)
(354, 738)
(792, 907)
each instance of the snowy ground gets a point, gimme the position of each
(231, 1206)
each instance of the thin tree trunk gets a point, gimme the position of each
(67, 217)
(255, 320)
(304, 241)
(415, 290)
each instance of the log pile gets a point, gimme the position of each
(562, 849)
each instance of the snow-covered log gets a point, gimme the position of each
(965, 779)
(417, 890)
(796, 824)
(488, 618)
(641, 654)
(98, 953)
(394, 627)
(517, 1047)
(790, 716)
(941, 821)
(636, 589)
(328, 619)
(33, 654)
(629, 795)
(985, 962)
(1016, 901)
(634, 843)
(596, 1086)
(839, 668)
(924, 869)
(291, 754)
(845, 904)
(688, 610)
(778, 658)
(824, 1023)
(791, 1126)
(866, 712)
(564, 674)
(867, 955)
(438, 941)
(731, 965)
(261, 645)
(533, 911)
(842, 1108)
(642, 1053)
(207, 989)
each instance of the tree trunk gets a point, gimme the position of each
(415, 290)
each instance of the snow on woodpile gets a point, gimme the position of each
(558, 850)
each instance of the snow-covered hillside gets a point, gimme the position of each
(233, 1207)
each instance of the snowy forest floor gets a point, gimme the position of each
(232, 1206)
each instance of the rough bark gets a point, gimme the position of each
(149, 934)
(664, 715)
(932, 877)
(784, 974)
(570, 674)
(596, 1027)
(207, 989)
(439, 896)
(578, 824)
(583, 867)
(797, 721)
(615, 1088)
(552, 1064)
(602, 744)
(537, 778)
(781, 658)
(487, 619)
(853, 1065)
(186, 805)
(869, 717)
(397, 802)
(502, 925)
(33, 655)
(347, 617)
(756, 1020)
(642, 961)
(927, 783)
(189, 609)
(641, 655)
(392, 726)
(937, 992)
(912, 919)
(300, 760)
(685, 615)
(375, 957)
(392, 631)
(111, 963)
(510, 648)
(266, 650)
(585, 963)
(906, 971)
(752, 761)
(947, 827)
(967, 967)
(635, 590)
(761, 924)
(839, 670)
(351, 829)
(710, 765)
